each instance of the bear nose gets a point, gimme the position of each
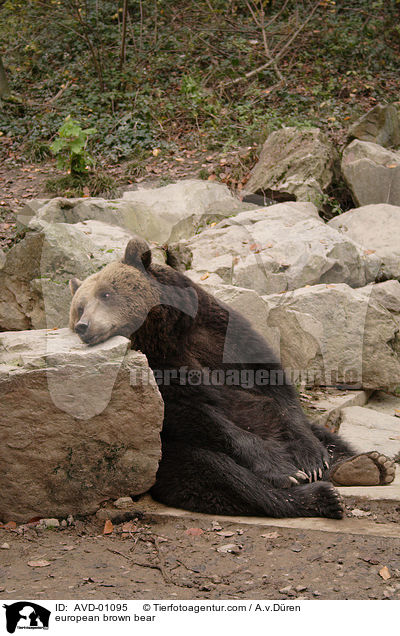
(81, 327)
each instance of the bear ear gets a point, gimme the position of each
(137, 253)
(74, 283)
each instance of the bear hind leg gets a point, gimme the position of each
(213, 483)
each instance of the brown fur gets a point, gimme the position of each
(131, 298)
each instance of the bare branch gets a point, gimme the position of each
(279, 55)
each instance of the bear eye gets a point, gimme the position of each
(80, 310)
(105, 295)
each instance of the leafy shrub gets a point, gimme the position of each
(70, 147)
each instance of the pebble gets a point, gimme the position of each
(296, 547)
(123, 502)
(5, 546)
(49, 523)
(285, 590)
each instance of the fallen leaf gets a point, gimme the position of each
(369, 251)
(206, 275)
(356, 512)
(270, 535)
(392, 165)
(108, 527)
(38, 564)
(384, 573)
(371, 561)
(129, 526)
(194, 532)
(10, 525)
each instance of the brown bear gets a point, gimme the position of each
(235, 439)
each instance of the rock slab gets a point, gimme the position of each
(377, 228)
(372, 173)
(161, 215)
(381, 125)
(334, 335)
(366, 430)
(275, 249)
(294, 165)
(78, 424)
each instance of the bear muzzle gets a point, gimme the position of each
(81, 328)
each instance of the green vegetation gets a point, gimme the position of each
(214, 73)
(70, 147)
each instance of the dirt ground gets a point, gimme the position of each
(188, 558)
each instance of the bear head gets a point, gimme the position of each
(115, 300)
(133, 298)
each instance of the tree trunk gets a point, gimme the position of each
(4, 87)
(123, 38)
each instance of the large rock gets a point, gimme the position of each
(163, 214)
(79, 424)
(35, 272)
(250, 304)
(366, 429)
(386, 294)
(376, 227)
(294, 164)
(333, 334)
(372, 173)
(381, 125)
(275, 249)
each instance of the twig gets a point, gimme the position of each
(163, 570)
(57, 95)
(281, 53)
(120, 554)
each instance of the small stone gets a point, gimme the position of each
(123, 502)
(296, 547)
(50, 523)
(5, 546)
(64, 523)
(301, 588)
(316, 593)
(215, 525)
(285, 590)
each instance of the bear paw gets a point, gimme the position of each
(365, 469)
(329, 501)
